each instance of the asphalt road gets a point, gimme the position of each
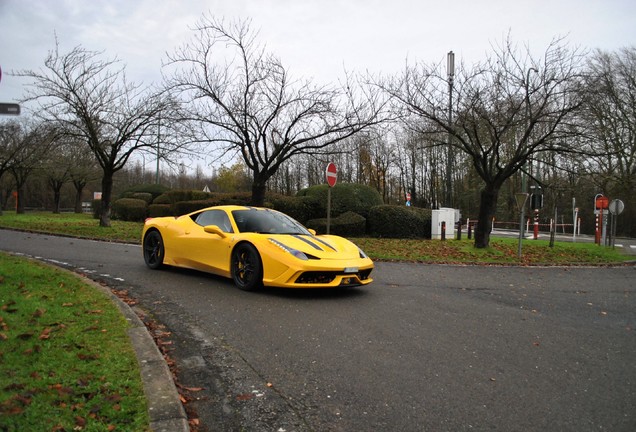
(423, 348)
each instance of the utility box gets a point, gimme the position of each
(450, 217)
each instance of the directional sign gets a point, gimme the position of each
(331, 173)
(10, 108)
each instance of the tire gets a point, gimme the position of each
(153, 250)
(247, 269)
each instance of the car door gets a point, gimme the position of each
(208, 251)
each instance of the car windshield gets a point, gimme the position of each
(267, 222)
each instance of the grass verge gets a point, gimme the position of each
(72, 224)
(66, 362)
(501, 250)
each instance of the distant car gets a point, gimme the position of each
(255, 247)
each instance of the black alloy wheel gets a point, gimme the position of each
(247, 269)
(153, 249)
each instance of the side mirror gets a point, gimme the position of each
(213, 229)
(312, 231)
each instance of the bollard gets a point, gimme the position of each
(443, 230)
(459, 230)
(470, 231)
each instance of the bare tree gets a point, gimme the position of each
(68, 161)
(609, 125)
(9, 150)
(506, 111)
(243, 101)
(84, 169)
(91, 99)
(32, 140)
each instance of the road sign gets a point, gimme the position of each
(616, 207)
(10, 108)
(601, 202)
(331, 173)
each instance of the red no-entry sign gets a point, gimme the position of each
(331, 173)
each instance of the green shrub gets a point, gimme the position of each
(233, 198)
(130, 209)
(160, 210)
(185, 207)
(348, 224)
(399, 222)
(216, 199)
(146, 196)
(301, 208)
(175, 196)
(187, 201)
(153, 189)
(345, 197)
(163, 199)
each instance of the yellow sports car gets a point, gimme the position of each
(255, 247)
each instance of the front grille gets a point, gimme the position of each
(318, 277)
(326, 277)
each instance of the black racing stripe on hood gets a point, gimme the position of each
(310, 243)
(325, 243)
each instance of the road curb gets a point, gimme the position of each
(165, 409)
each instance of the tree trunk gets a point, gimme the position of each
(57, 197)
(107, 191)
(79, 188)
(258, 193)
(20, 200)
(487, 210)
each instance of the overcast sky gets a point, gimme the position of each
(316, 39)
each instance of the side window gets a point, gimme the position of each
(215, 217)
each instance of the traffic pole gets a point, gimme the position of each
(597, 234)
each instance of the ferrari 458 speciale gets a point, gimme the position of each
(255, 247)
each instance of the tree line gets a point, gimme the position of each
(561, 121)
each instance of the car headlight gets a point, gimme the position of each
(362, 254)
(295, 252)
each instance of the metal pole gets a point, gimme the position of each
(521, 216)
(450, 69)
(522, 205)
(158, 142)
(328, 208)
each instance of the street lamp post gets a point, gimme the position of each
(450, 69)
(528, 120)
(523, 196)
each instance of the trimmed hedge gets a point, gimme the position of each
(178, 195)
(301, 208)
(348, 224)
(399, 222)
(345, 197)
(153, 189)
(130, 209)
(159, 210)
(146, 196)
